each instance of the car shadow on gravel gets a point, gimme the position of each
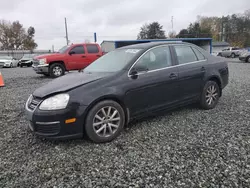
(153, 116)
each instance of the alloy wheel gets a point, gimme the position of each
(211, 95)
(106, 121)
(57, 71)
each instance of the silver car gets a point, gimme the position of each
(230, 52)
(8, 61)
(245, 56)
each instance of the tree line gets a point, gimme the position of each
(234, 29)
(13, 36)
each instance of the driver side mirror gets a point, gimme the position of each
(72, 52)
(138, 69)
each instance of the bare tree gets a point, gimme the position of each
(14, 37)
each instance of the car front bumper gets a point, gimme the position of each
(40, 69)
(52, 125)
(242, 58)
(6, 65)
(25, 63)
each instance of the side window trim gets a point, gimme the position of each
(171, 55)
(197, 59)
(200, 53)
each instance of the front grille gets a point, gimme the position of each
(1, 63)
(34, 102)
(48, 129)
(24, 60)
(35, 62)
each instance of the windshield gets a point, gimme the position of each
(6, 57)
(112, 61)
(63, 49)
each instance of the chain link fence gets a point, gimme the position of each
(18, 54)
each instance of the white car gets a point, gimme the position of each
(8, 61)
(230, 52)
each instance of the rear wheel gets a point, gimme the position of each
(210, 95)
(56, 70)
(248, 60)
(105, 121)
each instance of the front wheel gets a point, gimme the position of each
(56, 70)
(210, 95)
(105, 121)
(233, 55)
(248, 60)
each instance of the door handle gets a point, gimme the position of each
(203, 69)
(98, 55)
(83, 56)
(172, 76)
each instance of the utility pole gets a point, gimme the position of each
(66, 29)
(53, 48)
(172, 21)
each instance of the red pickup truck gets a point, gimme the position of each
(71, 57)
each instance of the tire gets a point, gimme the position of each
(56, 70)
(248, 59)
(104, 125)
(21, 66)
(205, 96)
(233, 55)
(11, 65)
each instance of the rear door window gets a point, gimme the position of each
(185, 54)
(199, 55)
(92, 49)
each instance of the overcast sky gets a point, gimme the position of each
(110, 19)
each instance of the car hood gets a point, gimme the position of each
(245, 54)
(26, 59)
(67, 82)
(49, 56)
(5, 60)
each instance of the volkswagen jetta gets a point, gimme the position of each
(124, 84)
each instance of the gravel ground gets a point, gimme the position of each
(188, 147)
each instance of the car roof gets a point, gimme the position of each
(151, 44)
(75, 44)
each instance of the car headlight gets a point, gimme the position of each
(29, 100)
(42, 61)
(7, 62)
(56, 102)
